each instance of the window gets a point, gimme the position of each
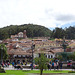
(51, 56)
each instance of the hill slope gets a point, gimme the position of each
(32, 31)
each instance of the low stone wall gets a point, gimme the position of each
(64, 66)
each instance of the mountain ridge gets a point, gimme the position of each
(31, 29)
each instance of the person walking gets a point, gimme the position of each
(52, 65)
(60, 64)
(13, 64)
(48, 65)
(57, 65)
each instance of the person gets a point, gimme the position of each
(33, 65)
(48, 65)
(30, 65)
(25, 63)
(21, 63)
(57, 65)
(2, 64)
(5, 64)
(8, 64)
(52, 65)
(69, 64)
(18, 61)
(60, 64)
(13, 64)
(50, 61)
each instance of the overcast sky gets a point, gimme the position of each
(49, 13)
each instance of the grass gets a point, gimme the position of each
(20, 72)
(71, 72)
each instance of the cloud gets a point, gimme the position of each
(60, 17)
(65, 17)
(49, 13)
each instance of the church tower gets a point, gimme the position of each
(24, 34)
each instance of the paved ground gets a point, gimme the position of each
(12, 68)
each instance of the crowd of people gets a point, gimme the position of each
(5, 64)
(56, 64)
(13, 63)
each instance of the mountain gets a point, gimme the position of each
(31, 29)
(37, 31)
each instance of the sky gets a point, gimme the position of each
(48, 13)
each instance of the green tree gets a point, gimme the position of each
(3, 54)
(64, 55)
(32, 31)
(60, 57)
(3, 50)
(72, 56)
(42, 62)
(58, 33)
(70, 33)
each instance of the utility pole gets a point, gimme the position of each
(64, 45)
(33, 46)
(32, 55)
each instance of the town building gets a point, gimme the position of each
(20, 35)
(21, 49)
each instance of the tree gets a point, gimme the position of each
(70, 32)
(42, 62)
(64, 55)
(60, 57)
(3, 55)
(31, 29)
(3, 51)
(72, 56)
(58, 33)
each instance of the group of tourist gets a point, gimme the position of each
(56, 64)
(52, 64)
(5, 64)
(13, 63)
(19, 63)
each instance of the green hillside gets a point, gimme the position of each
(32, 31)
(37, 31)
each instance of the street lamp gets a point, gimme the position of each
(33, 46)
(64, 45)
(32, 55)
